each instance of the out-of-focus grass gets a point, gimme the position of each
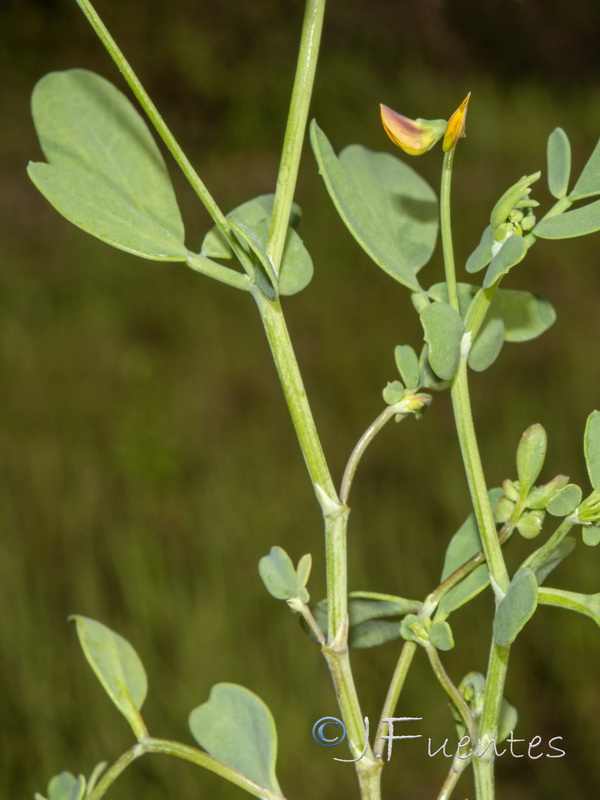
(147, 462)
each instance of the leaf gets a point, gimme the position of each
(407, 362)
(516, 607)
(370, 618)
(588, 184)
(303, 570)
(255, 216)
(488, 342)
(531, 453)
(236, 727)
(507, 720)
(278, 574)
(388, 208)
(565, 501)
(591, 448)
(482, 255)
(530, 524)
(559, 163)
(118, 668)
(95, 776)
(586, 604)
(66, 787)
(393, 392)
(591, 535)
(524, 314)
(554, 559)
(440, 635)
(105, 173)
(513, 250)
(465, 543)
(443, 329)
(571, 223)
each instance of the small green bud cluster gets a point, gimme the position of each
(513, 213)
(533, 508)
(426, 632)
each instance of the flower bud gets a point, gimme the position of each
(414, 136)
(456, 125)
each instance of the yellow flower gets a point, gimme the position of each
(414, 136)
(456, 125)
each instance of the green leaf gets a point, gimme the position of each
(278, 574)
(388, 208)
(303, 570)
(255, 245)
(236, 727)
(586, 604)
(407, 362)
(254, 217)
(440, 635)
(118, 668)
(393, 392)
(531, 453)
(513, 250)
(556, 556)
(572, 223)
(524, 314)
(373, 619)
(95, 776)
(488, 342)
(559, 163)
(591, 448)
(105, 173)
(516, 607)
(482, 255)
(565, 501)
(530, 524)
(591, 535)
(66, 787)
(507, 721)
(588, 184)
(465, 543)
(465, 291)
(443, 329)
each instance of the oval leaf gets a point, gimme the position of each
(407, 362)
(525, 315)
(237, 728)
(443, 327)
(531, 453)
(482, 255)
(559, 163)
(516, 608)
(565, 501)
(66, 787)
(105, 173)
(118, 668)
(488, 342)
(278, 574)
(388, 208)
(572, 223)
(586, 604)
(440, 635)
(591, 447)
(513, 250)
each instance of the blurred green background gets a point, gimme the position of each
(146, 458)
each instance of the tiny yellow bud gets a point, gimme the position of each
(414, 136)
(456, 125)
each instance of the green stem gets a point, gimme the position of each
(403, 665)
(457, 700)
(295, 129)
(113, 772)
(483, 765)
(446, 228)
(153, 115)
(456, 770)
(545, 551)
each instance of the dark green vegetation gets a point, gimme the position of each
(146, 458)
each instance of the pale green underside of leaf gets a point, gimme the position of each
(591, 447)
(116, 665)
(443, 329)
(278, 574)
(586, 604)
(579, 222)
(236, 727)
(105, 172)
(558, 157)
(388, 208)
(516, 608)
(588, 184)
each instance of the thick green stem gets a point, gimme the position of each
(483, 765)
(295, 129)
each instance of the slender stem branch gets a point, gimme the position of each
(113, 772)
(456, 698)
(456, 770)
(545, 551)
(397, 683)
(153, 115)
(359, 450)
(295, 129)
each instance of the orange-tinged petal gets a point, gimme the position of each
(456, 125)
(414, 136)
